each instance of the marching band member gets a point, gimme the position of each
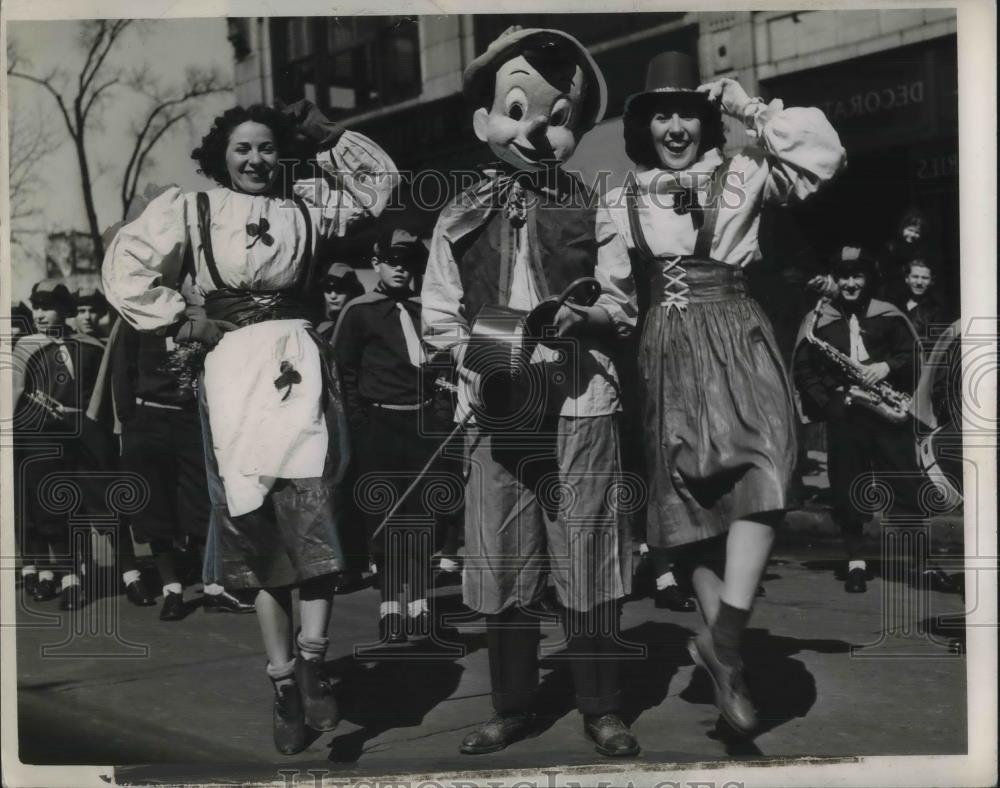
(878, 338)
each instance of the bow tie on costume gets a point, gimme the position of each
(510, 190)
(686, 201)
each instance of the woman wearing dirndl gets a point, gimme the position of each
(275, 431)
(714, 397)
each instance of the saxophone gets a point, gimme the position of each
(881, 398)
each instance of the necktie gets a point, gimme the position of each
(413, 347)
(64, 357)
(858, 351)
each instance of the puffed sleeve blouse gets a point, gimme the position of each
(258, 241)
(798, 151)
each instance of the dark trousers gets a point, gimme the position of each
(862, 449)
(512, 638)
(165, 447)
(70, 482)
(394, 448)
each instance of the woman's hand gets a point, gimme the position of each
(202, 329)
(312, 124)
(728, 95)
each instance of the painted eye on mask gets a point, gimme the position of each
(516, 104)
(561, 112)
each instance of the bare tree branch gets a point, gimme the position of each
(80, 100)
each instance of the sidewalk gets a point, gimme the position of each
(188, 701)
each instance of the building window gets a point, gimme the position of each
(588, 29)
(347, 64)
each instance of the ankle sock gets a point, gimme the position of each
(856, 565)
(28, 570)
(173, 588)
(312, 648)
(416, 607)
(278, 672)
(386, 608)
(130, 576)
(70, 580)
(448, 565)
(727, 632)
(213, 589)
(665, 580)
(46, 574)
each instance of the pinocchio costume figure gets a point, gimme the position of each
(539, 494)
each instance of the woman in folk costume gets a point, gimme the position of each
(274, 412)
(716, 399)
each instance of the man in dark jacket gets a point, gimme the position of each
(917, 298)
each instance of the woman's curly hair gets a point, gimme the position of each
(211, 154)
(639, 140)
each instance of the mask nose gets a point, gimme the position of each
(536, 128)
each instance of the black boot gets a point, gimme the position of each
(320, 705)
(289, 721)
(498, 733)
(610, 735)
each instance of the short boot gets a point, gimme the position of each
(610, 735)
(731, 695)
(320, 705)
(500, 732)
(289, 721)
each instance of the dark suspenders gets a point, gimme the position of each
(205, 231)
(706, 233)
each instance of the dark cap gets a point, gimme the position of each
(342, 278)
(516, 40)
(401, 246)
(852, 259)
(91, 296)
(52, 294)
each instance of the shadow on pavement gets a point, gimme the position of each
(781, 687)
(397, 693)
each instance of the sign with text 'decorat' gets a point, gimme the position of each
(895, 97)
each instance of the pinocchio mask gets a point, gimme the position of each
(538, 92)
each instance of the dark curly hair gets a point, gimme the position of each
(638, 139)
(211, 154)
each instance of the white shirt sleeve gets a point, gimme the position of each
(803, 151)
(614, 273)
(142, 266)
(358, 183)
(443, 321)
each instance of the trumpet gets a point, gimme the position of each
(881, 398)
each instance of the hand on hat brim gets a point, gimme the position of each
(727, 94)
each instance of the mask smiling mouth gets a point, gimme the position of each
(533, 155)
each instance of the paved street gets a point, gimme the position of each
(191, 697)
